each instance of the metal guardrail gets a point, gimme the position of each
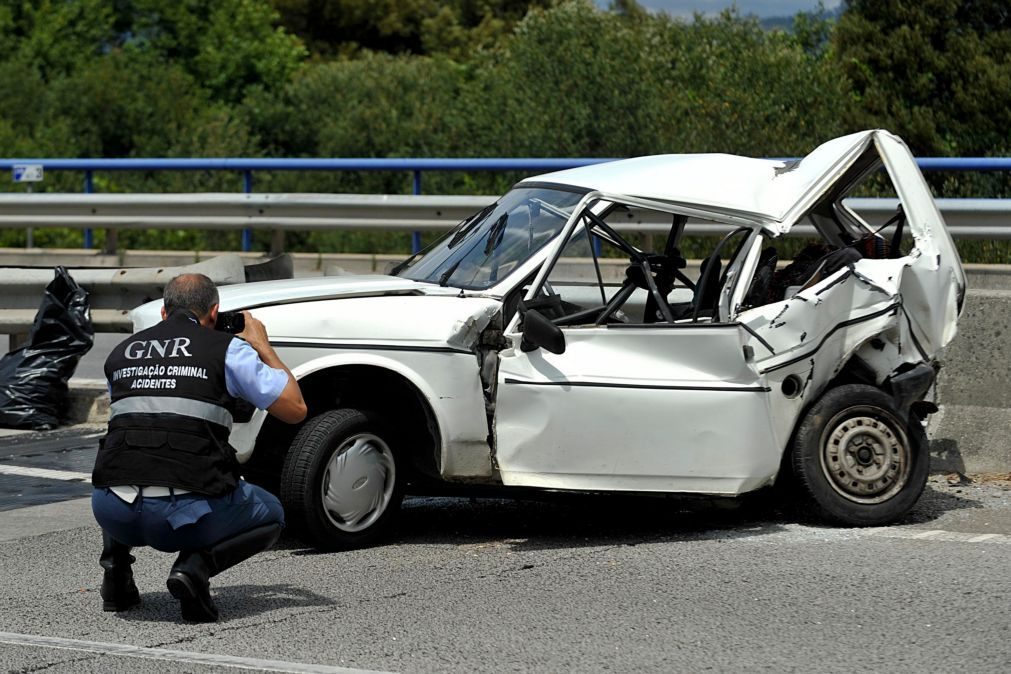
(242, 164)
(247, 166)
(966, 218)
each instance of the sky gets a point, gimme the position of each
(761, 8)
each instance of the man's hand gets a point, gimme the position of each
(290, 406)
(255, 334)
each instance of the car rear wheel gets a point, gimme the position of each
(340, 486)
(857, 463)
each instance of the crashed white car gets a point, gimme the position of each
(534, 347)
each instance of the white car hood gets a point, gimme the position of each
(267, 293)
(355, 310)
(250, 295)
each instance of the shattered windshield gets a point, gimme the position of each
(489, 245)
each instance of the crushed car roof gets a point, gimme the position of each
(765, 191)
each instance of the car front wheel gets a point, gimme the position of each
(340, 486)
(857, 462)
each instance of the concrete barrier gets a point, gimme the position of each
(972, 431)
(115, 290)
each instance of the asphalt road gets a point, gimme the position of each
(564, 584)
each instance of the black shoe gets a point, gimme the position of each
(194, 597)
(119, 593)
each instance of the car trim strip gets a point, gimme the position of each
(845, 324)
(661, 387)
(542, 184)
(368, 347)
(757, 336)
(669, 326)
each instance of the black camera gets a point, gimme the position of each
(232, 322)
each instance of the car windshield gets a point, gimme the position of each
(489, 245)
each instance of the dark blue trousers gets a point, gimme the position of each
(185, 521)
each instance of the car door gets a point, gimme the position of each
(672, 407)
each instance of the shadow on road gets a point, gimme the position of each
(935, 502)
(558, 521)
(234, 602)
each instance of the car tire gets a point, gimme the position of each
(856, 462)
(341, 485)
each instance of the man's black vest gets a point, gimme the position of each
(171, 413)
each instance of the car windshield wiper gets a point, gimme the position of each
(468, 225)
(495, 233)
(444, 278)
(404, 265)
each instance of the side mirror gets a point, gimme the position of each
(539, 332)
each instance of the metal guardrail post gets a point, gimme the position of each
(247, 233)
(89, 188)
(416, 235)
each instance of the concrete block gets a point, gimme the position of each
(970, 439)
(178, 258)
(51, 257)
(159, 258)
(988, 276)
(970, 432)
(88, 402)
(306, 264)
(351, 263)
(977, 364)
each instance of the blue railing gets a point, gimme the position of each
(247, 166)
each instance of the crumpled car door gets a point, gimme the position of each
(637, 408)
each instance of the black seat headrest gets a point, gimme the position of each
(635, 274)
(840, 258)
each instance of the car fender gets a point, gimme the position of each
(456, 402)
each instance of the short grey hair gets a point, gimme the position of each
(192, 292)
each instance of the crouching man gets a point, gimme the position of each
(165, 475)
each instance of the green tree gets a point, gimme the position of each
(53, 36)
(577, 81)
(457, 27)
(227, 45)
(937, 72)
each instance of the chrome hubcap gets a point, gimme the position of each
(864, 457)
(358, 482)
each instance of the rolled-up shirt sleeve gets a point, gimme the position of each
(249, 378)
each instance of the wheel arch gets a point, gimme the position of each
(853, 371)
(376, 384)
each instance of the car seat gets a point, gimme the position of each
(761, 283)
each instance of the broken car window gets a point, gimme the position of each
(486, 248)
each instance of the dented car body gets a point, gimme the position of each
(535, 347)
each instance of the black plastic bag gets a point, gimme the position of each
(33, 379)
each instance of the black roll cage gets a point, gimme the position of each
(597, 227)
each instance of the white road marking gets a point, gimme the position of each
(927, 534)
(65, 475)
(174, 656)
(941, 535)
(981, 538)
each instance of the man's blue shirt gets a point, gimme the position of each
(249, 378)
